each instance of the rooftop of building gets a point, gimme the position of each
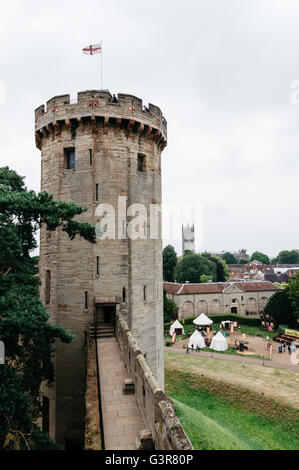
(218, 287)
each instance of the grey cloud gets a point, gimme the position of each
(221, 73)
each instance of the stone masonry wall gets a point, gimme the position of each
(107, 138)
(190, 305)
(155, 407)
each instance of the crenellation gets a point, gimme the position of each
(59, 100)
(131, 102)
(39, 111)
(85, 96)
(96, 105)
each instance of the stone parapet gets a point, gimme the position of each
(155, 406)
(128, 113)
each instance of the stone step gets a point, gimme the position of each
(103, 330)
(102, 333)
(145, 441)
(108, 327)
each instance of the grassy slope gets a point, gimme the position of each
(280, 384)
(217, 415)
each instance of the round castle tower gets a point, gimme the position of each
(93, 152)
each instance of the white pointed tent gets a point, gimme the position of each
(218, 342)
(196, 340)
(175, 326)
(202, 320)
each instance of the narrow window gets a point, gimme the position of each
(69, 158)
(97, 192)
(45, 414)
(98, 265)
(90, 157)
(86, 300)
(141, 162)
(48, 286)
(144, 293)
(124, 295)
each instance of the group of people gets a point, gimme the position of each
(283, 348)
(193, 349)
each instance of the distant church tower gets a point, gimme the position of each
(188, 241)
(92, 152)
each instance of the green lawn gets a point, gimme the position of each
(249, 330)
(218, 415)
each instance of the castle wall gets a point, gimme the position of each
(155, 407)
(107, 139)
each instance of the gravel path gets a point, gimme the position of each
(231, 357)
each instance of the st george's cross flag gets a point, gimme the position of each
(94, 49)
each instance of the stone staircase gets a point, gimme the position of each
(102, 331)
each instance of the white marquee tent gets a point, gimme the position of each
(176, 325)
(202, 320)
(196, 340)
(219, 343)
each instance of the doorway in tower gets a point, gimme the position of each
(105, 314)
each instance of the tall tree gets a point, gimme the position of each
(222, 268)
(229, 258)
(280, 308)
(169, 307)
(293, 292)
(170, 260)
(258, 256)
(24, 327)
(288, 257)
(191, 266)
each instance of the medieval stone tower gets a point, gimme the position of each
(95, 151)
(188, 241)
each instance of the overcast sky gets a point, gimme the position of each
(220, 70)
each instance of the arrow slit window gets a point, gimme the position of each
(141, 163)
(47, 286)
(69, 158)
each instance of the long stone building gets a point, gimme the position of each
(95, 151)
(243, 298)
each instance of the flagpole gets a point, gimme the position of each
(101, 66)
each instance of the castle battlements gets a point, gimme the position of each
(128, 113)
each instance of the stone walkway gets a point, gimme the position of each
(231, 357)
(121, 418)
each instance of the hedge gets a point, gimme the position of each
(248, 321)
